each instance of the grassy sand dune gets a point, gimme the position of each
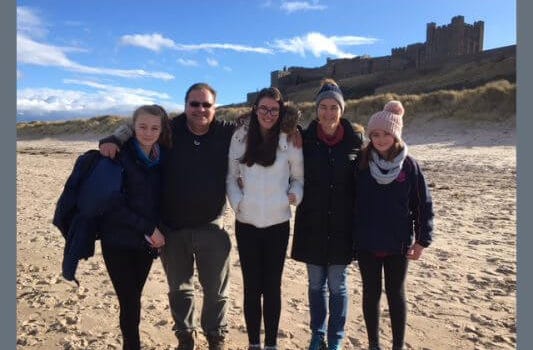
(494, 101)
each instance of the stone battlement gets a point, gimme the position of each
(456, 40)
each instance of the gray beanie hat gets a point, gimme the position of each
(329, 90)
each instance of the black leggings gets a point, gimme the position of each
(395, 267)
(128, 270)
(262, 254)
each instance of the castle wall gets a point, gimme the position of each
(380, 64)
(454, 42)
(299, 75)
(349, 67)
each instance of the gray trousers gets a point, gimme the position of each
(209, 246)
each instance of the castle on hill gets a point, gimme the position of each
(456, 41)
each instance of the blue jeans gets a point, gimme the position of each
(324, 278)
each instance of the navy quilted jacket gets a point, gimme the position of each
(389, 218)
(135, 212)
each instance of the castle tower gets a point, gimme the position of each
(431, 39)
(455, 44)
(454, 39)
(478, 36)
(274, 75)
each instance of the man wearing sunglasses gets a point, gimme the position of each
(193, 201)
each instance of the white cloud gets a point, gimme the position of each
(350, 40)
(119, 90)
(187, 62)
(44, 103)
(319, 44)
(212, 62)
(32, 52)
(29, 23)
(154, 42)
(233, 47)
(293, 6)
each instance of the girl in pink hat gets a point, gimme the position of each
(393, 220)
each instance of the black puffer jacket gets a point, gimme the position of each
(135, 212)
(324, 219)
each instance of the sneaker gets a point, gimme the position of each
(271, 348)
(317, 343)
(254, 347)
(187, 341)
(335, 346)
(216, 342)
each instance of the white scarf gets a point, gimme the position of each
(385, 171)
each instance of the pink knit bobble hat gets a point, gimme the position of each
(389, 119)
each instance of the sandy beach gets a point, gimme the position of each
(461, 294)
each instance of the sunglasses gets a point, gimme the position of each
(197, 104)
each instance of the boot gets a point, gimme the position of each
(334, 346)
(374, 346)
(216, 342)
(317, 343)
(187, 341)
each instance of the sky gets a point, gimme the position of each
(80, 59)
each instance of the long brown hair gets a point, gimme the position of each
(395, 149)
(165, 138)
(262, 149)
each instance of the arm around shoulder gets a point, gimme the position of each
(296, 164)
(110, 145)
(233, 189)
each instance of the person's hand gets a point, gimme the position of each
(109, 149)
(292, 198)
(243, 119)
(158, 240)
(414, 252)
(295, 138)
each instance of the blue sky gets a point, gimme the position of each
(87, 58)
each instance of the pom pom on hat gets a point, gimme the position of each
(330, 89)
(389, 119)
(395, 107)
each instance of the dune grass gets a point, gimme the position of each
(494, 101)
(96, 125)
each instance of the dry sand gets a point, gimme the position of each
(461, 294)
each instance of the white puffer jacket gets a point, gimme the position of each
(263, 199)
